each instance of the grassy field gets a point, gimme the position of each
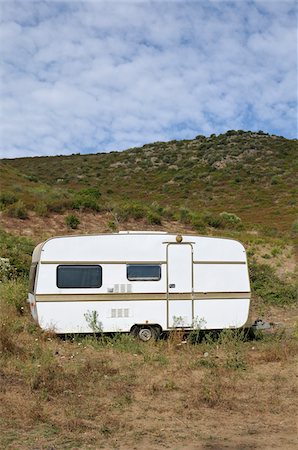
(232, 391)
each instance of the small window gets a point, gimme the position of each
(32, 276)
(79, 276)
(143, 272)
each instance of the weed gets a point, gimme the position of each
(112, 225)
(213, 388)
(50, 379)
(208, 363)
(72, 221)
(8, 346)
(231, 341)
(92, 319)
(170, 385)
(275, 251)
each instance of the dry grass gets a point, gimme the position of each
(120, 393)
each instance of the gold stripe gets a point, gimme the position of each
(81, 263)
(136, 297)
(221, 295)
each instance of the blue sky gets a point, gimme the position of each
(98, 76)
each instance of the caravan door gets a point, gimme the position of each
(180, 285)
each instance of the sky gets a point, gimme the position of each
(96, 76)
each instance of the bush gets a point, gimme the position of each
(6, 270)
(213, 221)
(230, 217)
(6, 199)
(18, 251)
(87, 199)
(154, 218)
(41, 209)
(130, 211)
(275, 179)
(266, 285)
(198, 223)
(18, 211)
(295, 227)
(14, 292)
(231, 220)
(72, 221)
(58, 206)
(185, 215)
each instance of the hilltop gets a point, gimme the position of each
(251, 175)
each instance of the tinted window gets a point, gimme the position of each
(143, 272)
(32, 276)
(79, 276)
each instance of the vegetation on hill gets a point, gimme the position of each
(251, 175)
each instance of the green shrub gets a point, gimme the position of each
(230, 217)
(153, 218)
(86, 199)
(266, 285)
(6, 270)
(18, 250)
(41, 209)
(14, 292)
(18, 211)
(213, 220)
(275, 251)
(198, 223)
(85, 203)
(275, 179)
(230, 220)
(58, 206)
(72, 221)
(112, 225)
(295, 227)
(6, 199)
(32, 178)
(130, 211)
(185, 215)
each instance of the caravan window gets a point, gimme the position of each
(79, 276)
(143, 272)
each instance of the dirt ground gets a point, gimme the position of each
(123, 394)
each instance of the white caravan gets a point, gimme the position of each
(139, 282)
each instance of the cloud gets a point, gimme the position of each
(99, 76)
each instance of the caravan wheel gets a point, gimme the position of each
(146, 333)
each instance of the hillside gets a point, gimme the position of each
(249, 174)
